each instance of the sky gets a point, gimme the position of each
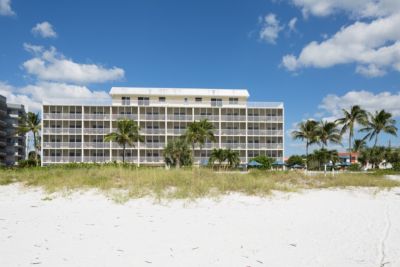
(316, 56)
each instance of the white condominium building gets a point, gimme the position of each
(74, 130)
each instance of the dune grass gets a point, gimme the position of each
(131, 182)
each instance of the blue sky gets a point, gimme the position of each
(315, 56)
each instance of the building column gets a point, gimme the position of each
(246, 138)
(110, 132)
(138, 146)
(82, 134)
(220, 129)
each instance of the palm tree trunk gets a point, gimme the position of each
(35, 147)
(123, 153)
(307, 155)
(376, 140)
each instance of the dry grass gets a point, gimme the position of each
(184, 183)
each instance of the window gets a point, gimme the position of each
(233, 100)
(186, 100)
(198, 99)
(143, 101)
(126, 100)
(161, 99)
(216, 102)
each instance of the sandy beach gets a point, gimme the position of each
(357, 227)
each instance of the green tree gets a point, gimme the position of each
(217, 154)
(31, 122)
(328, 132)
(198, 132)
(264, 160)
(380, 121)
(355, 115)
(177, 153)
(295, 160)
(359, 144)
(128, 133)
(233, 158)
(374, 155)
(307, 132)
(324, 156)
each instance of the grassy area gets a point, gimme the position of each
(130, 182)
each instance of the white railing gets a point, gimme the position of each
(153, 117)
(61, 159)
(96, 116)
(176, 131)
(62, 130)
(234, 145)
(233, 118)
(174, 117)
(129, 159)
(62, 116)
(152, 131)
(124, 116)
(50, 145)
(265, 118)
(153, 145)
(265, 132)
(96, 130)
(265, 146)
(208, 117)
(96, 145)
(96, 158)
(233, 132)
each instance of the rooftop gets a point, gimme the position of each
(178, 91)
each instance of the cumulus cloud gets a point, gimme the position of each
(332, 105)
(374, 47)
(355, 8)
(50, 65)
(32, 95)
(292, 24)
(270, 28)
(44, 29)
(5, 8)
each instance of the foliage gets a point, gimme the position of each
(31, 122)
(355, 167)
(328, 132)
(217, 154)
(396, 166)
(128, 132)
(380, 121)
(198, 132)
(321, 157)
(27, 163)
(374, 156)
(349, 119)
(295, 160)
(177, 153)
(265, 161)
(359, 144)
(307, 132)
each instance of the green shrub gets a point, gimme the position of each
(355, 167)
(27, 163)
(396, 166)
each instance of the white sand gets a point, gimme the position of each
(316, 228)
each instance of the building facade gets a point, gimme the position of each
(12, 144)
(74, 132)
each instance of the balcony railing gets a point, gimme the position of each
(176, 131)
(96, 158)
(61, 159)
(96, 130)
(233, 118)
(265, 118)
(97, 116)
(50, 145)
(152, 131)
(265, 132)
(124, 116)
(233, 131)
(62, 116)
(151, 159)
(96, 145)
(62, 130)
(208, 117)
(234, 145)
(173, 117)
(265, 146)
(152, 117)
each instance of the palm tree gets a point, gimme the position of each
(177, 153)
(198, 132)
(381, 121)
(350, 118)
(218, 154)
(307, 132)
(358, 145)
(128, 133)
(232, 157)
(328, 132)
(31, 123)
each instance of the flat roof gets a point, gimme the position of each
(178, 91)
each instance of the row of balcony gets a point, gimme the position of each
(157, 145)
(79, 131)
(160, 117)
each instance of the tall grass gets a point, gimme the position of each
(193, 183)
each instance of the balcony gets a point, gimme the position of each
(96, 145)
(73, 145)
(153, 145)
(97, 130)
(62, 116)
(128, 159)
(152, 131)
(233, 118)
(61, 159)
(172, 117)
(96, 116)
(265, 146)
(234, 145)
(176, 131)
(124, 116)
(96, 158)
(265, 132)
(145, 159)
(233, 132)
(62, 130)
(265, 118)
(152, 117)
(208, 117)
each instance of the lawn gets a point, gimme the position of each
(124, 182)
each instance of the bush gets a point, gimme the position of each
(355, 167)
(396, 166)
(265, 161)
(27, 163)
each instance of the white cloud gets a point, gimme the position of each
(270, 28)
(355, 8)
(44, 29)
(5, 8)
(292, 24)
(50, 65)
(32, 95)
(374, 47)
(332, 105)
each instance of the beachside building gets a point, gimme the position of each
(12, 144)
(74, 130)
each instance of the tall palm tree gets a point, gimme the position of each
(355, 115)
(380, 121)
(307, 132)
(177, 153)
(31, 122)
(198, 132)
(128, 133)
(358, 145)
(328, 132)
(232, 157)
